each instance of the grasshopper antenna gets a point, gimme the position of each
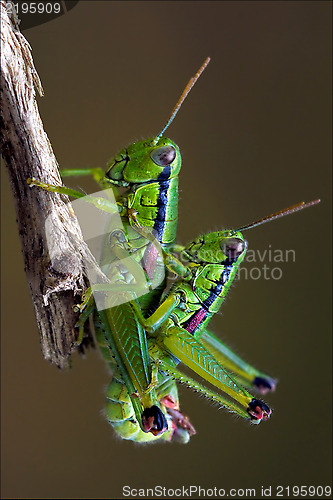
(182, 98)
(278, 215)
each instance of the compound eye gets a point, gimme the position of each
(232, 247)
(163, 156)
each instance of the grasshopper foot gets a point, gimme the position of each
(264, 385)
(258, 410)
(182, 427)
(182, 421)
(154, 421)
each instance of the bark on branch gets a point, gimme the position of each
(27, 152)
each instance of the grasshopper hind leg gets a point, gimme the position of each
(243, 372)
(193, 354)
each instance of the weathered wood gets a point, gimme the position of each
(56, 284)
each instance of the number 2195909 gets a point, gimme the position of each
(303, 491)
(33, 8)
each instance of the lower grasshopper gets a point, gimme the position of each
(177, 331)
(179, 325)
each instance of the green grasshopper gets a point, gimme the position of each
(178, 331)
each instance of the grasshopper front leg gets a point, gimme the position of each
(97, 174)
(99, 202)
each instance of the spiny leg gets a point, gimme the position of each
(189, 382)
(247, 374)
(194, 355)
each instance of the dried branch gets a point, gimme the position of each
(27, 152)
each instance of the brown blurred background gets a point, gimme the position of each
(255, 134)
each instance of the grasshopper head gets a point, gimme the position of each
(145, 161)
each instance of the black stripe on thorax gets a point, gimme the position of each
(217, 290)
(162, 203)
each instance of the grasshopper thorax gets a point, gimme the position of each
(145, 161)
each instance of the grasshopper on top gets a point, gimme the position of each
(150, 169)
